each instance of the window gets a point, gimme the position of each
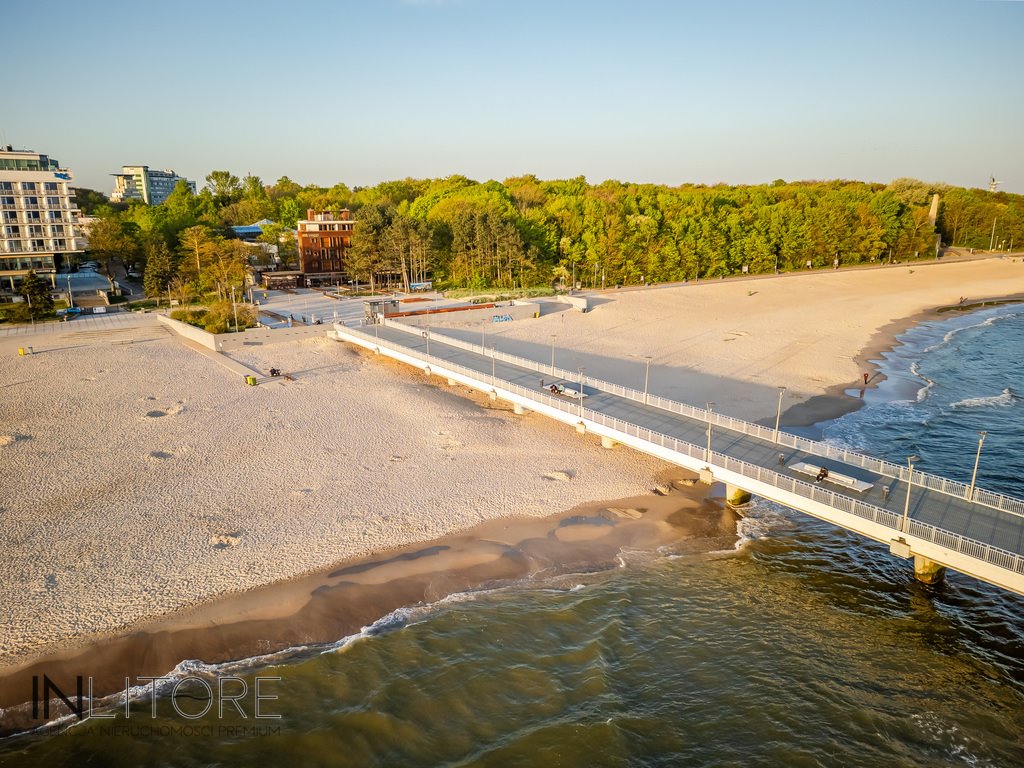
(55, 216)
(53, 202)
(7, 202)
(6, 186)
(32, 202)
(50, 186)
(28, 186)
(58, 245)
(33, 216)
(14, 231)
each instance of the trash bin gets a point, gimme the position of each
(250, 380)
(24, 350)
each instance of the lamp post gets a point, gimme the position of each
(910, 479)
(710, 406)
(426, 336)
(778, 414)
(234, 307)
(31, 314)
(71, 297)
(581, 369)
(647, 375)
(552, 354)
(493, 365)
(977, 458)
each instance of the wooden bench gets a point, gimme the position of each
(833, 477)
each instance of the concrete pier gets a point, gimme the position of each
(928, 571)
(736, 496)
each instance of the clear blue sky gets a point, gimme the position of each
(740, 91)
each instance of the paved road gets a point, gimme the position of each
(981, 523)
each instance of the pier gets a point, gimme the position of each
(937, 522)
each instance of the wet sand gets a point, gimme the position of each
(326, 606)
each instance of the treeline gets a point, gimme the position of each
(524, 231)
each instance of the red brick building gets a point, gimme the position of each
(322, 239)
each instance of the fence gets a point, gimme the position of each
(948, 539)
(786, 440)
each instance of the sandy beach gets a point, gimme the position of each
(141, 479)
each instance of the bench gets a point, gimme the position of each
(833, 477)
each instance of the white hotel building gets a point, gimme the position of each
(38, 217)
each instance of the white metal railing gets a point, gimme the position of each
(948, 539)
(814, 447)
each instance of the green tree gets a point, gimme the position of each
(225, 187)
(108, 241)
(159, 269)
(38, 301)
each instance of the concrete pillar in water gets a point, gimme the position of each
(519, 410)
(928, 571)
(607, 442)
(736, 496)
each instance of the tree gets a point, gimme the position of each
(196, 246)
(38, 301)
(88, 200)
(225, 186)
(108, 240)
(159, 269)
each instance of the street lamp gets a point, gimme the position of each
(581, 369)
(553, 354)
(710, 406)
(977, 458)
(647, 375)
(234, 307)
(493, 358)
(778, 414)
(71, 296)
(910, 478)
(426, 335)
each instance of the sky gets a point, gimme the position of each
(662, 91)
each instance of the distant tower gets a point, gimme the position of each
(992, 183)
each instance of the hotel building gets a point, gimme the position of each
(322, 239)
(138, 182)
(38, 217)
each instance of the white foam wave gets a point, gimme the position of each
(762, 518)
(1003, 399)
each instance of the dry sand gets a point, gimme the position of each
(736, 341)
(139, 479)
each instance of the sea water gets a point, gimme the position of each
(806, 646)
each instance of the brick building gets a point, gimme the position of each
(322, 239)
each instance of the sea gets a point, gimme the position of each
(804, 645)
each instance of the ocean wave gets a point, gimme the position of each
(1003, 399)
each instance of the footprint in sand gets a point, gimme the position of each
(225, 540)
(559, 475)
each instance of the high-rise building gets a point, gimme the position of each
(38, 217)
(138, 182)
(322, 239)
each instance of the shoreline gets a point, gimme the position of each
(336, 602)
(836, 401)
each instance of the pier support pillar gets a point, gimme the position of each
(493, 394)
(581, 428)
(607, 442)
(736, 496)
(519, 410)
(452, 382)
(707, 476)
(928, 571)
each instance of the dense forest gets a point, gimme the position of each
(527, 232)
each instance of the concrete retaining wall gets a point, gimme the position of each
(197, 335)
(475, 316)
(577, 302)
(226, 342)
